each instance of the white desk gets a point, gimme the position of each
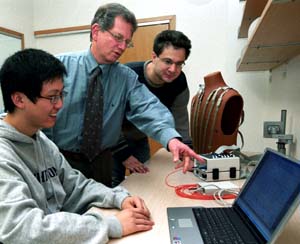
(158, 196)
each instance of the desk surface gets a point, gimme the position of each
(158, 196)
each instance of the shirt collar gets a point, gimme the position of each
(150, 83)
(92, 63)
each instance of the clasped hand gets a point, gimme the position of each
(135, 216)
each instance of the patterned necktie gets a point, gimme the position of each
(92, 125)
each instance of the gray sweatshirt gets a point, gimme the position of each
(44, 200)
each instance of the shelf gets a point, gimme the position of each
(275, 39)
(252, 10)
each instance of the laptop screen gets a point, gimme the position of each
(270, 192)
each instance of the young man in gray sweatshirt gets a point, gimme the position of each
(43, 199)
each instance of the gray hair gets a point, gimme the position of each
(106, 14)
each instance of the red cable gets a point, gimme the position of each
(181, 191)
(188, 190)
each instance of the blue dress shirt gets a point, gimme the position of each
(124, 95)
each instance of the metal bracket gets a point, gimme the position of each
(272, 129)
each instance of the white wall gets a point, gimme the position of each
(212, 26)
(17, 15)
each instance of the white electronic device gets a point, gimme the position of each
(209, 188)
(218, 167)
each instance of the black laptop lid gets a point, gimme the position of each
(270, 192)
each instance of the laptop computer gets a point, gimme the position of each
(266, 202)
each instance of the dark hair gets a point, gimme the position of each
(26, 71)
(171, 37)
(106, 14)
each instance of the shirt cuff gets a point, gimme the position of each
(114, 227)
(167, 135)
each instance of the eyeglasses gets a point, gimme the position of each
(120, 39)
(54, 99)
(169, 62)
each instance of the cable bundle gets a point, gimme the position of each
(195, 191)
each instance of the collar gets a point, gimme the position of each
(149, 82)
(92, 63)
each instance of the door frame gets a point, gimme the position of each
(169, 19)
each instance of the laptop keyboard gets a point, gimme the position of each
(216, 228)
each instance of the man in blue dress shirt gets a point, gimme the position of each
(112, 29)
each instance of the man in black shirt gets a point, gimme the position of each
(164, 77)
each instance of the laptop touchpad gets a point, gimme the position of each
(185, 223)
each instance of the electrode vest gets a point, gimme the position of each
(216, 112)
